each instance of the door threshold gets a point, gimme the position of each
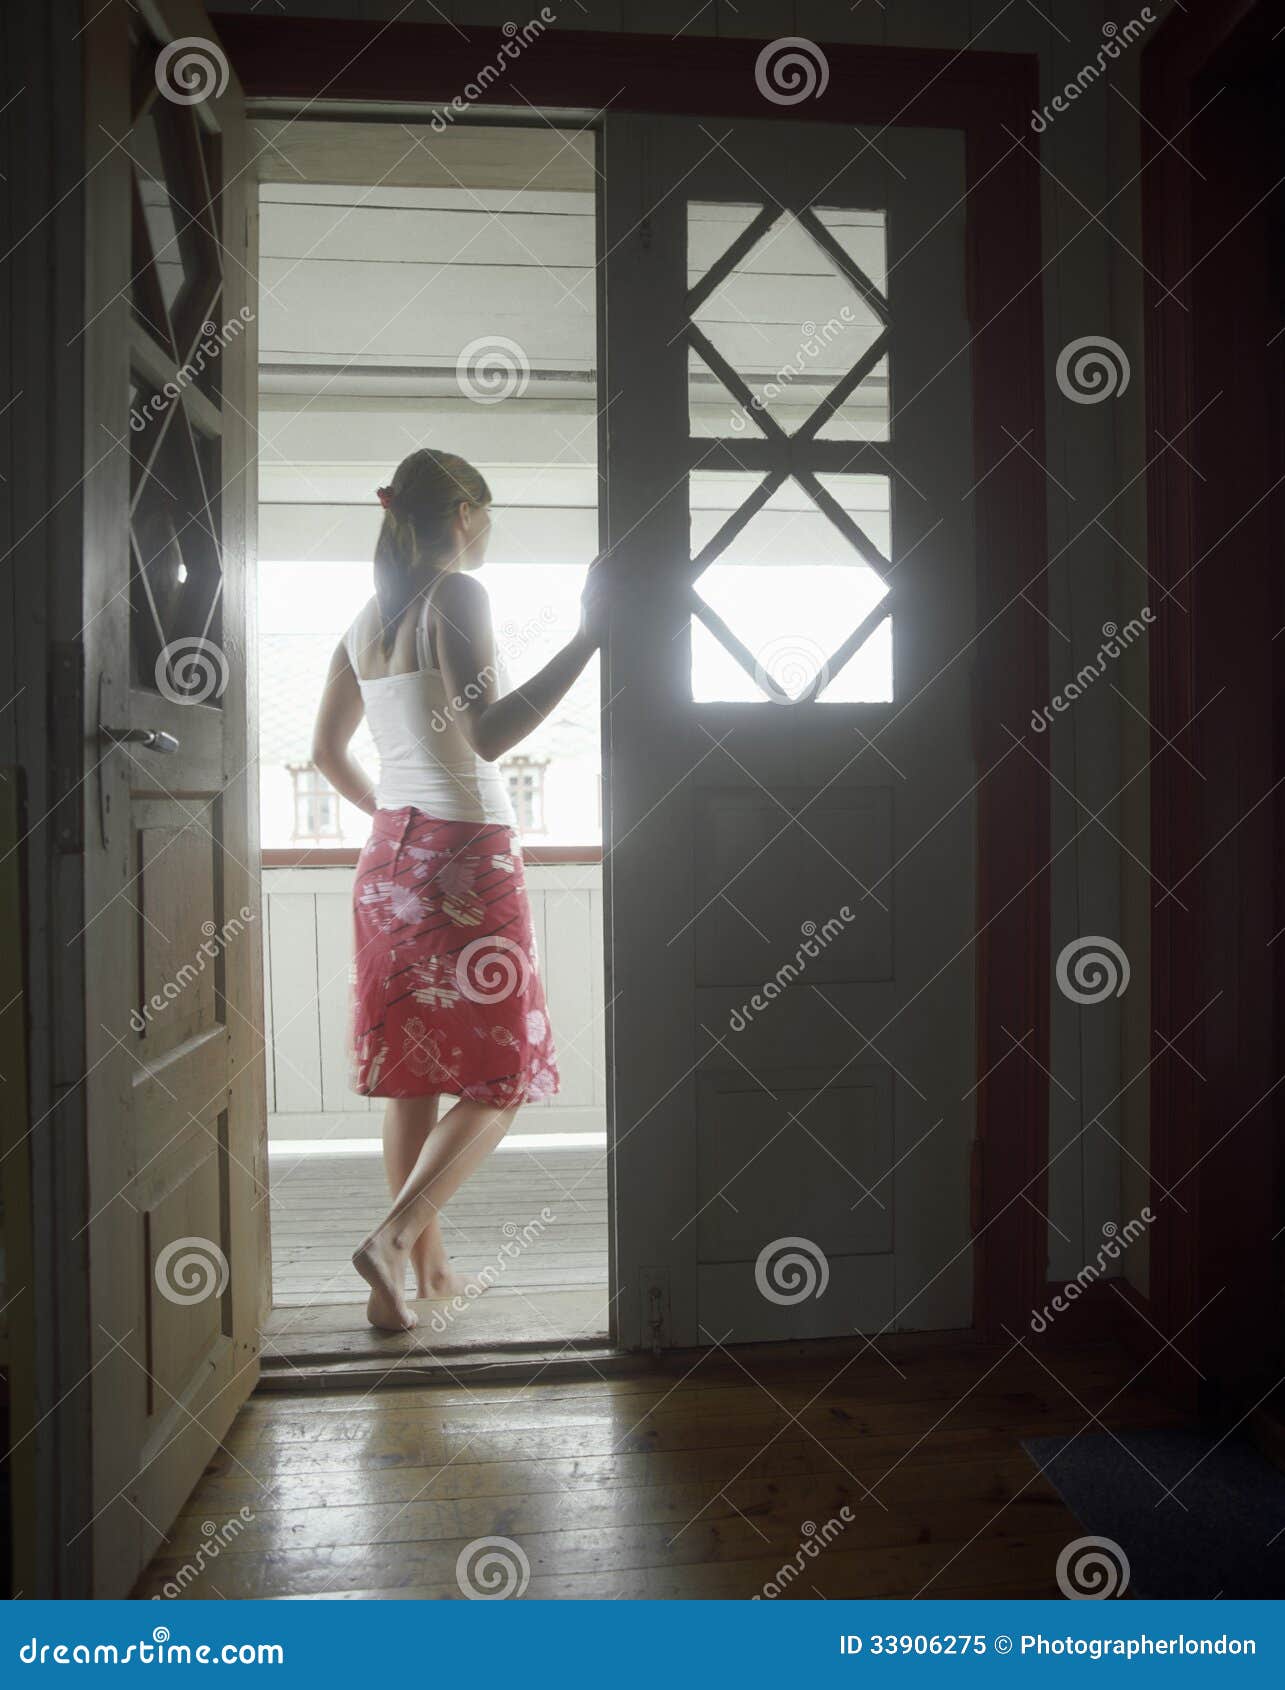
(544, 1318)
(519, 1363)
(508, 1364)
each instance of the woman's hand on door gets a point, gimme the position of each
(595, 602)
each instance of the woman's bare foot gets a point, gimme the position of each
(443, 1284)
(384, 1270)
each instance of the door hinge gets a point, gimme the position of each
(67, 744)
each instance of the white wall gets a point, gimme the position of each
(307, 915)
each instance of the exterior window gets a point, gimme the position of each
(818, 543)
(316, 805)
(525, 778)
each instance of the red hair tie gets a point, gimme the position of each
(385, 496)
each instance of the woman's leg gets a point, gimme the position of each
(407, 1123)
(458, 1145)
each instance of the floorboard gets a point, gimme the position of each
(699, 1482)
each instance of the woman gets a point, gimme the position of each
(447, 997)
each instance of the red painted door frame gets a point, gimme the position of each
(989, 96)
(1214, 514)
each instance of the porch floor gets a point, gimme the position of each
(534, 1217)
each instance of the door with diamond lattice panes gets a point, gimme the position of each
(174, 1091)
(791, 852)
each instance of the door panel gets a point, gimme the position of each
(791, 862)
(175, 1089)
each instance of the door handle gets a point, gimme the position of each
(148, 739)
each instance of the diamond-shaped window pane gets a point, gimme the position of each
(713, 412)
(789, 592)
(177, 274)
(790, 320)
(711, 230)
(863, 236)
(177, 578)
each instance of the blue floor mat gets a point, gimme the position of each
(1221, 1532)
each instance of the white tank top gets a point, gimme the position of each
(424, 758)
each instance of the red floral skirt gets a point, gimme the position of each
(447, 997)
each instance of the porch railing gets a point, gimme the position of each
(307, 933)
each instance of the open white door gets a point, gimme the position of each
(791, 851)
(175, 1089)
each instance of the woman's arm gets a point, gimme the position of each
(466, 652)
(338, 715)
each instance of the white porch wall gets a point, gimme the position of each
(307, 946)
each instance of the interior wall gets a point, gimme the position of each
(41, 747)
(1098, 749)
(1137, 1046)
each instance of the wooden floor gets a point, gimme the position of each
(688, 1480)
(536, 1217)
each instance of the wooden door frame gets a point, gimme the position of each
(1219, 1232)
(989, 97)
